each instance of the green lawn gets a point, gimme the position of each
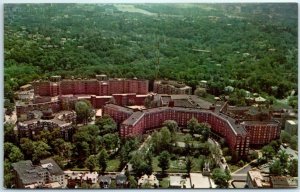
(197, 165)
(233, 168)
(174, 166)
(164, 183)
(280, 105)
(155, 164)
(113, 165)
(180, 137)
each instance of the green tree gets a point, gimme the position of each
(171, 125)
(91, 162)
(139, 164)
(164, 161)
(82, 150)
(41, 151)
(156, 142)
(132, 182)
(283, 158)
(200, 92)
(285, 137)
(225, 151)
(253, 155)
(221, 178)
(9, 135)
(293, 101)
(62, 148)
(27, 147)
(268, 152)
(275, 144)
(205, 130)
(192, 125)
(59, 160)
(228, 159)
(102, 160)
(165, 138)
(128, 146)
(111, 141)
(106, 125)
(276, 168)
(294, 142)
(293, 168)
(7, 149)
(8, 175)
(241, 163)
(84, 111)
(48, 136)
(15, 154)
(86, 141)
(189, 165)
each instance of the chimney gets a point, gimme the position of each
(171, 103)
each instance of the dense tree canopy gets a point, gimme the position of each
(84, 111)
(247, 46)
(164, 161)
(221, 178)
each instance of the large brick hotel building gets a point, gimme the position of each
(238, 134)
(240, 128)
(101, 86)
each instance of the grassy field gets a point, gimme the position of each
(164, 183)
(174, 166)
(113, 165)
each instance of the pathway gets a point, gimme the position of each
(128, 164)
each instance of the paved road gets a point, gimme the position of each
(244, 170)
(238, 184)
(241, 174)
(239, 177)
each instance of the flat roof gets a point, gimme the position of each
(28, 173)
(26, 86)
(284, 181)
(292, 122)
(271, 122)
(255, 176)
(182, 103)
(175, 181)
(236, 128)
(199, 181)
(52, 166)
(118, 107)
(134, 118)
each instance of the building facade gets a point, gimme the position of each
(64, 121)
(100, 86)
(28, 175)
(239, 135)
(255, 179)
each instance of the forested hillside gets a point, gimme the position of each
(247, 46)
